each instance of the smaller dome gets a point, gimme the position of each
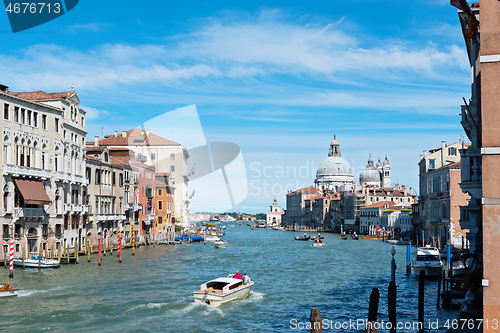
(386, 162)
(370, 175)
(379, 164)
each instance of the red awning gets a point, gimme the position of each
(33, 192)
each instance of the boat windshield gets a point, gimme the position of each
(428, 257)
(216, 285)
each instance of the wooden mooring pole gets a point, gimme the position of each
(391, 295)
(439, 289)
(371, 326)
(421, 292)
(316, 321)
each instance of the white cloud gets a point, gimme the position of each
(93, 113)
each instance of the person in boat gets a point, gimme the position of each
(305, 235)
(237, 275)
(246, 278)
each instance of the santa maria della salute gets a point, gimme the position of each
(335, 173)
(337, 202)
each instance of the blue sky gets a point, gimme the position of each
(278, 78)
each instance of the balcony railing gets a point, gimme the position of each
(76, 208)
(71, 177)
(85, 208)
(17, 170)
(107, 217)
(67, 208)
(29, 212)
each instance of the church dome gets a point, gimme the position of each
(335, 166)
(334, 172)
(386, 162)
(370, 175)
(379, 164)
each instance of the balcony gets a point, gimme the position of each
(17, 170)
(67, 208)
(29, 212)
(76, 208)
(471, 172)
(70, 178)
(107, 217)
(105, 187)
(85, 209)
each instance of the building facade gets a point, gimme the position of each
(440, 195)
(43, 169)
(165, 156)
(273, 216)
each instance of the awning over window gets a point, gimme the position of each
(33, 192)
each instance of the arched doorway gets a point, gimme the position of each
(33, 239)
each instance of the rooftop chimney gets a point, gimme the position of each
(443, 152)
(96, 140)
(124, 134)
(116, 134)
(147, 132)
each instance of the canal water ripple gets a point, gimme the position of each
(152, 291)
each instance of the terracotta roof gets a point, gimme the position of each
(93, 148)
(136, 137)
(308, 190)
(381, 204)
(40, 95)
(92, 158)
(456, 164)
(120, 161)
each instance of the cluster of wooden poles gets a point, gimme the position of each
(65, 253)
(371, 326)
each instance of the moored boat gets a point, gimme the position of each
(429, 261)
(7, 291)
(222, 290)
(33, 262)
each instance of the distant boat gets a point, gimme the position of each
(220, 244)
(33, 262)
(186, 239)
(302, 238)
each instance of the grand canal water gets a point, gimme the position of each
(152, 291)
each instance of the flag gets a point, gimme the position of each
(136, 192)
(192, 195)
(472, 22)
(191, 173)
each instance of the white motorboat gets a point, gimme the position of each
(429, 261)
(222, 290)
(7, 291)
(220, 244)
(212, 237)
(318, 242)
(33, 262)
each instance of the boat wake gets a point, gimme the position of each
(24, 293)
(254, 297)
(146, 307)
